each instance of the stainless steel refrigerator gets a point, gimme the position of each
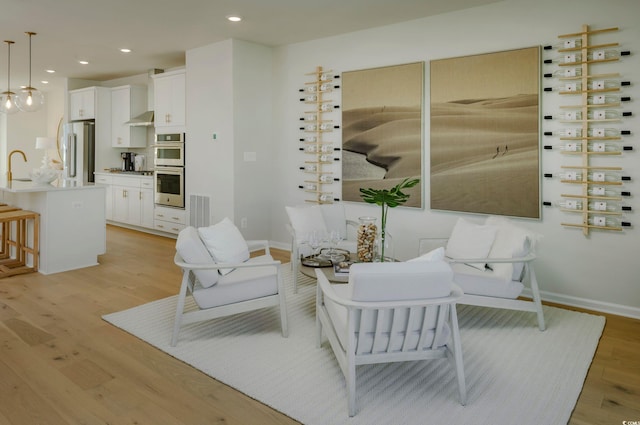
(79, 151)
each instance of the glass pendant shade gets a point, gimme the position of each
(29, 99)
(8, 102)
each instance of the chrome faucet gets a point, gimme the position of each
(9, 175)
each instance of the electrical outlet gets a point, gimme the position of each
(243, 223)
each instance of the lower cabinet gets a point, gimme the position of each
(132, 200)
(170, 220)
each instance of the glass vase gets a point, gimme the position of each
(366, 239)
(385, 254)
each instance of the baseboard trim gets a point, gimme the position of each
(552, 297)
(588, 304)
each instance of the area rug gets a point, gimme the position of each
(515, 374)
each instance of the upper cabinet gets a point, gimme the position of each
(82, 104)
(88, 103)
(169, 98)
(128, 102)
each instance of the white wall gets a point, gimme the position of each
(229, 94)
(599, 271)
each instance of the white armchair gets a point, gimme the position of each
(224, 288)
(322, 219)
(492, 263)
(390, 312)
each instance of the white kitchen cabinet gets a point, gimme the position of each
(170, 220)
(128, 102)
(133, 200)
(169, 99)
(82, 104)
(106, 180)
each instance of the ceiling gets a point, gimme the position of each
(160, 31)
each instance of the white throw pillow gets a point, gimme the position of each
(433, 255)
(470, 240)
(511, 241)
(225, 243)
(306, 220)
(192, 250)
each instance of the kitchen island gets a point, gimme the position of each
(72, 221)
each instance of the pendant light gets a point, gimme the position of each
(8, 98)
(29, 99)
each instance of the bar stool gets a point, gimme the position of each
(15, 238)
(4, 252)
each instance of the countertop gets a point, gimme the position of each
(18, 185)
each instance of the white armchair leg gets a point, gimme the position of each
(180, 308)
(457, 356)
(536, 298)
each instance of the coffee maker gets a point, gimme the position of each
(128, 161)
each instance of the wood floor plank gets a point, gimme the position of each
(65, 364)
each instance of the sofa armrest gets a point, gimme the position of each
(526, 259)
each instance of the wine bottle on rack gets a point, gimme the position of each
(603, 221)
(567, 73)
(591, 132)
(606, 191)
(599, 114)
(606, 176)
(607, 206)
(566, 147)
(567, 175)
(309, 168)
(601, 99)
(567, 44)
(607, 147)
(567, 87)
(309, 139)
(570, 204)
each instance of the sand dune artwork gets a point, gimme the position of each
(484, 138)
(382, 129)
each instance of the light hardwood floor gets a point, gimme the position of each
(60, 363)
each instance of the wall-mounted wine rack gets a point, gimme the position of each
(320, 151)
(600, 202)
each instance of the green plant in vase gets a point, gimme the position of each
(387, 198)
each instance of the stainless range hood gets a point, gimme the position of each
(142, 120)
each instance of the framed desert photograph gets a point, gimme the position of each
(485, 155)
(382, 110)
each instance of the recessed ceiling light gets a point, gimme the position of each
(44, 82)
(83, 62)
(51, 71)
(234, 18)
(125, 50)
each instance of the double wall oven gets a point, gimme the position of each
(168, 162)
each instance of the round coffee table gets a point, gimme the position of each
(328, 272)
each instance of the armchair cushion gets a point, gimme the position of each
(433, 255)
(470, 240)
(399, 281)
(241, 285)
(192, 250)
(225, 243)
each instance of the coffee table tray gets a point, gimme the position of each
(324, 258)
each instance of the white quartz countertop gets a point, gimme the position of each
(18, 185)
